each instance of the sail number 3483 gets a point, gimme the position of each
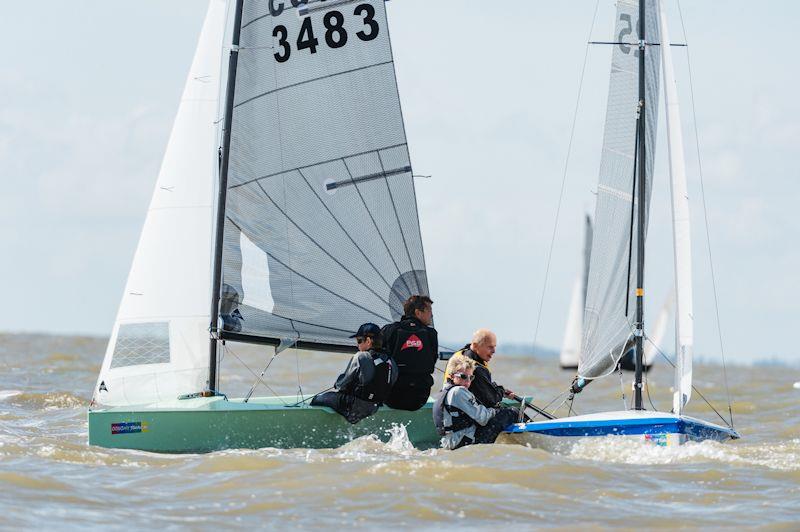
(335, 32)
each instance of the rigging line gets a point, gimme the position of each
(345, 268)
(297, 362)
(705, 219)
(556, 398)
(671, 363)
(331, 292)
(564, 178)
(226, 348)
(622, 386)
(339, 223)
(633, 210)
(310, 397)
(375, 224)
(647, 389)
(399, 225)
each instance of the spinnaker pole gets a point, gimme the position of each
(216, 283)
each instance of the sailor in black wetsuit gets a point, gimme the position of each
(414, 345)
(459, 418)
(367, 380)
(481, 350)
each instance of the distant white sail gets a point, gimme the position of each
(610, 299)
(571, 346)
(573, 332)
(681, 230)
(656, 336)
(158, 348)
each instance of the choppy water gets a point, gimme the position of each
(50, 477)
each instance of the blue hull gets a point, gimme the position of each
(663, 429)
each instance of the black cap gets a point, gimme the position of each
(367, 329)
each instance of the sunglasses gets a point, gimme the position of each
(464, 376)
(361, 339)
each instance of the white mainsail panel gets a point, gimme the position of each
(681, 230)
(320, 178)
(158, 348)
(610, 298)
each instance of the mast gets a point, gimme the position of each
(642, 197)
(216, 282)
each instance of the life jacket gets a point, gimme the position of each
(459, 420)
(414, 350)
(377, 390)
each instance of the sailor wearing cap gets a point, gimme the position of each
(367, 380)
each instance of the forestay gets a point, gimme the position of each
(610, 299)
(321, 225)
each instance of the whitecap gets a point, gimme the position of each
(5, 394)
(796, 385)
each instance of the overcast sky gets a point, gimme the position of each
(90, 89)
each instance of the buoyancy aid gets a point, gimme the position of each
(459, 420)
(377, 390)
(414, 348)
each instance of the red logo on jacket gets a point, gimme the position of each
(412, 342)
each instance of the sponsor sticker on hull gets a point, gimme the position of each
(130, 427)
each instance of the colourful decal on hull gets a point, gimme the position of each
(131, 427)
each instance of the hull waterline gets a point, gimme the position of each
(211, 424)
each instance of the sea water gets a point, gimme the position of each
(50, 477)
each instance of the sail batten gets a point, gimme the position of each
(320, 177)
(607, 327)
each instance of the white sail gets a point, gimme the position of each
(571, 346)
(656, 336)
(320, 183)
(158, 348)
(684, 322)
(611, 292)
(573, 332)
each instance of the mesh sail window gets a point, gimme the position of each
(611, 288)
(321, 230)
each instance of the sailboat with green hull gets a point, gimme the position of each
(284, 214)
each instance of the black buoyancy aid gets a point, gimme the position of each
(460, 420)
(414, 349)
(377, 390)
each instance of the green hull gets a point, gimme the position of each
(212, 424)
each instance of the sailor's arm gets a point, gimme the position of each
(350, 373)
(463, 399)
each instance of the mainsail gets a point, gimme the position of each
(611, 299)
(321, 226)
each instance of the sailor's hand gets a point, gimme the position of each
(508, 393)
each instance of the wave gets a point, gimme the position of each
(7, 394)
(44, 401)
(783, 456)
